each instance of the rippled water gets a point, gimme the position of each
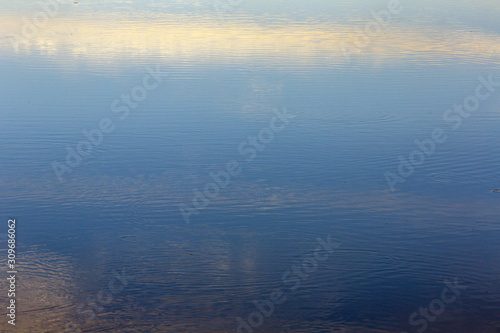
(103, 245)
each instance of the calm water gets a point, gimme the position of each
(174, 92)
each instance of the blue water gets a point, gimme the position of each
(240, 171)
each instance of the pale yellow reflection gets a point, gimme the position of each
(180, 39)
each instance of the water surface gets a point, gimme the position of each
(223, 75)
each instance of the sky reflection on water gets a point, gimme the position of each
(117, 211)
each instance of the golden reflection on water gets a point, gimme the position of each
(49, 282)
(180, 39)
(45, 290)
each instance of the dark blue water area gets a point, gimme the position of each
(318, 186)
